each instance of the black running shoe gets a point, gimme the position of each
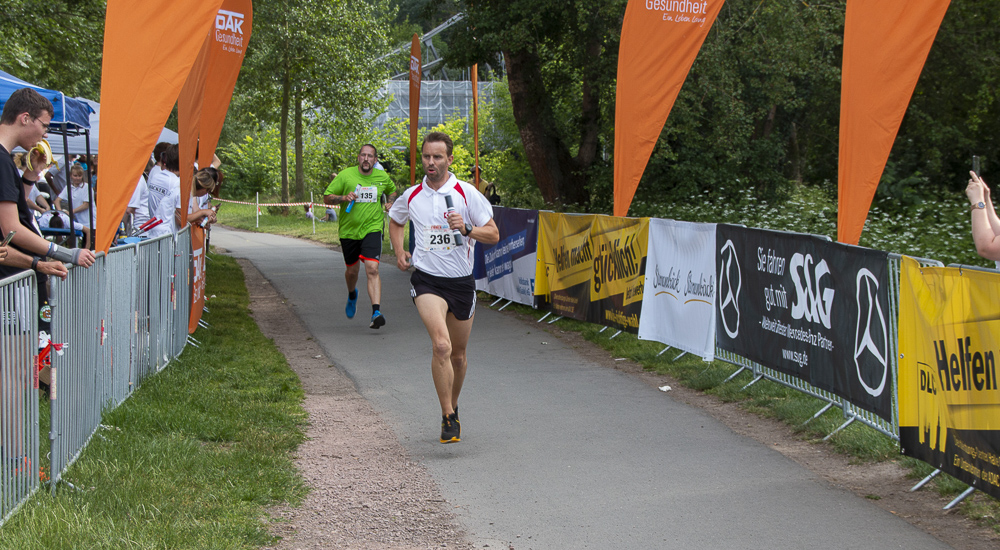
(451, 431)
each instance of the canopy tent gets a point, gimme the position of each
(71, 117)
(73, 113)
(78, 144)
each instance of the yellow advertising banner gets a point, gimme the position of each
(949, 343)
(592, 268)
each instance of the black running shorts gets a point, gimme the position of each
(366, 249)
(459, 293)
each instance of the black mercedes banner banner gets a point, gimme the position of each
(809, 308)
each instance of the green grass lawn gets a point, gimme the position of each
(194, 457)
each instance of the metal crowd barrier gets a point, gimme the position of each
(75, 397)
(852, 413)
(121, 317)
(140, 326)
(19, 437)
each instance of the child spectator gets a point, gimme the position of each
(81, 196)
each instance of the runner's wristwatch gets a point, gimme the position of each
(978, 206)
(468, 229)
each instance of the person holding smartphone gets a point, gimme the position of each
(985, 223)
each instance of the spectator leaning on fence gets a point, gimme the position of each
(200, 211)
(985, 223)
(24, 122)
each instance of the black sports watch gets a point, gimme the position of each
(468, 229)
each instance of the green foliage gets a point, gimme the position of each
(954, 112)
(502, 157)
(254, 165)
(251, 166)
(747, 117)
(55, 44)
(319, 56)
(935, 229)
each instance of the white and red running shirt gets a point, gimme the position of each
(434, 251)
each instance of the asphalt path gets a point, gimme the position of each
(558, 452)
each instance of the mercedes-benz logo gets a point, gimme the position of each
(871, 339)
(730, 282)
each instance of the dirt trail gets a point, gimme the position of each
(367, 494)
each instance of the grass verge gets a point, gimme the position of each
(194, 457)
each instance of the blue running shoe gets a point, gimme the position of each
(378, 320)
(352, 306)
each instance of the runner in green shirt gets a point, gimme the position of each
(359, 191)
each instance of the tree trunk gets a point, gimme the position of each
(561, 178)
(285, 90)
(795, 153)
(546, 153)
(300, 179)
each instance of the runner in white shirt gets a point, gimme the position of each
(442, 285)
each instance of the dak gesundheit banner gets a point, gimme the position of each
(592, 267)
(678, 307)
(949, 342)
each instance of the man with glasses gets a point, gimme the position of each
(359, 191)
(24, 122)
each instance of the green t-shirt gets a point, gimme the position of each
(366, 215)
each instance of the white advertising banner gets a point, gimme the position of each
(678, 304)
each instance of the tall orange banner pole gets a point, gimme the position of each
(228, 45)
(189, 118)
(475, 122)
(885, 46)
(658, 47)
(205, 114)
(415, 70)
(140, 82)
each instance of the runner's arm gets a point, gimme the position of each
(396, 238)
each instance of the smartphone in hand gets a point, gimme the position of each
(975, 165)
(6, 240)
